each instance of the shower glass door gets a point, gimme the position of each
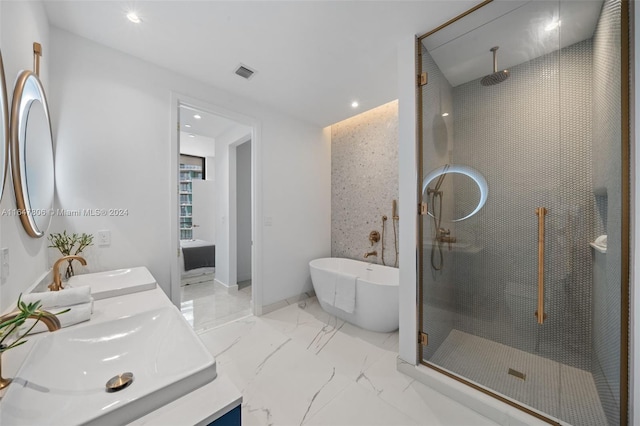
(521, 159)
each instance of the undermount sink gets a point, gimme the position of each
(63, 378)
(115, 283)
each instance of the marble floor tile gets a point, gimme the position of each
(356, 406)
(208, 305)
(294, 385)
(301, 366)
(415, 399)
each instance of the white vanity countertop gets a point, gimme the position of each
(201, 406)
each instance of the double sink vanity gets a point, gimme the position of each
(137, 361)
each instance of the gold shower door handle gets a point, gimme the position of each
(541, 212)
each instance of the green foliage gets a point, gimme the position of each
(67, 243)
(11, 327)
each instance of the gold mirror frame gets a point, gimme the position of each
(4, 116)
(28, 90)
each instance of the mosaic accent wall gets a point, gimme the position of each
(364, 182)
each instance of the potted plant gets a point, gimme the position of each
(11, 335)
(70, 244)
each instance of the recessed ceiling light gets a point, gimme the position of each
(187, 125)
(133, 17)
(445, 114)
(197, 117)
(553, 25)
(191, 135)
(354, 104)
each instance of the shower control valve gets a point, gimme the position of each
(374, 237)
(442, 232)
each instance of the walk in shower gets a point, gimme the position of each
(524, 161)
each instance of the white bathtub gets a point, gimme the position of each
(376, 306)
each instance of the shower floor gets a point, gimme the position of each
(564, 392)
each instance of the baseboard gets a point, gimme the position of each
(197, 279)
(475, 400)
(230, 289)
(286, 302)
(244, 278)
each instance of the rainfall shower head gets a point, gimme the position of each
(497, 76)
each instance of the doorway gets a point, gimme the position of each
(205, 215)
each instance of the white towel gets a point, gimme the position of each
(345, 298)
(65, 297)
(326, 293)
(76, 314)
(601, 241)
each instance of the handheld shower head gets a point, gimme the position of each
(439, 181)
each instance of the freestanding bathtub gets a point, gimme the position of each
(376, 306)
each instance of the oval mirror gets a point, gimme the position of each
(32, 154)
(469, 189)
(4, 133)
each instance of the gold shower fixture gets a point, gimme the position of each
(374, 237)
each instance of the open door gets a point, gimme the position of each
(204, 211)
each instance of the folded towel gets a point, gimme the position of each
(76, 314)
(601, 241)
(65, 297)
(345, 298)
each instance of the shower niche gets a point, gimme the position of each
(506, 270)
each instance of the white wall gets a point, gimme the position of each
(114, 134)
(297, 207)
(243, 210)
(226, 266)
(21, 24)
(408, 182)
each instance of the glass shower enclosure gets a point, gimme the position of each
(524, 205)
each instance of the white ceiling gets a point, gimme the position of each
(461, 50)
(197, 145)
(313, 58)
(208, 125)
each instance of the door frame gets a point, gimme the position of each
(177, 100)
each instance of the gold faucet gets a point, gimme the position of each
(56, 285)
(371, 253)
(50, 320)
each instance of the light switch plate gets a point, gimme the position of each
(4, 264)
(104, 238)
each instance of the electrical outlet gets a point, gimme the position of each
(104, 238)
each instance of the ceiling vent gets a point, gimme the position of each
(244, 71)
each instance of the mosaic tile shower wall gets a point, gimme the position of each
(364, 182)
(531, 139)
(606, 147)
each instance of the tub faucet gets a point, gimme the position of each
(371, 253)
(50, 320)
(56, 285)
